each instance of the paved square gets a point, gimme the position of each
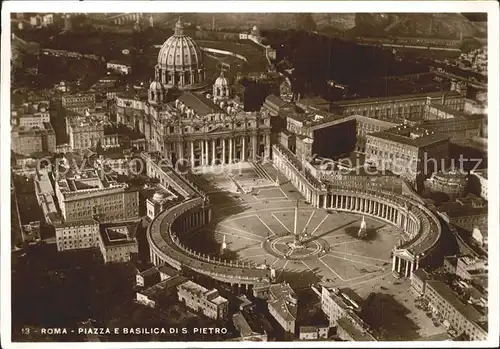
(348, 260)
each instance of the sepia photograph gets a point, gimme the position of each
(223, 173)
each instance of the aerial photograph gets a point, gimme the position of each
(255, 177)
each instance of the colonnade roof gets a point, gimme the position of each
(159, 233)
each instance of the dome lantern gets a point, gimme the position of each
(179, 28)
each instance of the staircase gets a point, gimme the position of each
(262, 172)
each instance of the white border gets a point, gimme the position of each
(491, 7)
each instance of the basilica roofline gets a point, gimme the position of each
(215, 135)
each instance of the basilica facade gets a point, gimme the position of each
(183, 117)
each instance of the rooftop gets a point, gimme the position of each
(410, 135)
(457, 114)
(29, 108)
(467, 310)
(284, 301)
(74, 182)
(78, 121)
(115, 234)
(455, 209)
(201, 105)
(276, 101)
(437, 94)
(244, 301)
(449, 177)
(314, 103)
(342, 299)
(76, 223)
(422, 274)
(202, 292)
(241, 324)
(76, 95)
(331, 119)
(149, 272)
(46, 128)
(308, 329)
(165, 269)
(43, 183)
(355, 333)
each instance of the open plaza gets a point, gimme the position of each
(262, 229)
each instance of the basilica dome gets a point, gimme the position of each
(180, 61)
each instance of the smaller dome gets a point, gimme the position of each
(156, 86)
(222, 80)
(255, 28)
(158, 196)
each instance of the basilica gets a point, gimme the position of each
(183, 117)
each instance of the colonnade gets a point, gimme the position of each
(297, 178)
(193, 220)
(404, 265)
(367, 205)
(390, 209)
(187, 222)
(165, 247)
(219, 150)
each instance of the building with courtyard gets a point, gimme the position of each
(396, 109)
(117, 242)
(410, 152)
(87, 195)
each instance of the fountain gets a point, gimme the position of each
(224, 244)
(362, 229)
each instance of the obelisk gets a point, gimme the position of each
(296, 237)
